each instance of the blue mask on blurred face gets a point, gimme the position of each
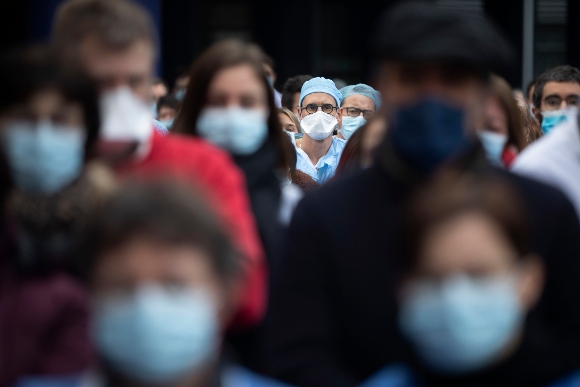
(167, 123)
(493, 144)
(156, 335)
(237, 130)
(43, 157)
(550, 119)
(462, 324)
(350, 125)
(428, 133)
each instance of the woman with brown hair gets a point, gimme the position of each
(502, 134)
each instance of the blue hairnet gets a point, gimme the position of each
(320, 85)
(364, 90)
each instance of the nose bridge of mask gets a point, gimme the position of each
(124, 116)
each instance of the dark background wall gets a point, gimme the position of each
(328, 38)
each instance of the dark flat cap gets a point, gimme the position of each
(420, 31)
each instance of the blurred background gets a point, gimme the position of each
(329, 38)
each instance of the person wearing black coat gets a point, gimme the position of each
(334, 306)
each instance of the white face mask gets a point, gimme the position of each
(125, 117)
(319, 125)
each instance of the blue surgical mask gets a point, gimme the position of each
(153, 109)
(462, 324)
(180, 94)
(156, 335)
(493, 144)
(239, 131)
(350, 125)
(270, 81)
(428, 133)
(43, 157)
(552, 118)
(167, 123)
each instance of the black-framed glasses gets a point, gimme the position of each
(313, 108)
(553, 102)
(355, 112)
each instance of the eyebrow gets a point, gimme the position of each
(558, 95)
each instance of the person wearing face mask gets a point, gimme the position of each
(335, 308)
(470, 281)
(502, 131)
(320, 115)
(164, 280)
(359, 104)
(49, 121)
(556, 96)
(86, 35)
(238, 114)
(167, 109)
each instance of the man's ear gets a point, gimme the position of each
(339, 117)
(530, 281)
(537, 114)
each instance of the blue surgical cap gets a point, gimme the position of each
(320, 85)
(364, 90)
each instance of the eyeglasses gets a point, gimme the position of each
(355, 112)
(553, 102)
(313, 108)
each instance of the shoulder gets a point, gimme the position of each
(189, 149)
(541, 154)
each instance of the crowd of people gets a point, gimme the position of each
(423, 232)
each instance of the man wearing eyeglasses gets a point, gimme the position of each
(320, 114)
(359, 104)
(557, 91)
(555, 159)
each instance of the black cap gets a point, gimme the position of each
(420, 31)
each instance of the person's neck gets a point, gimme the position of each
(199, 378)
(339, 135)
(315, 149)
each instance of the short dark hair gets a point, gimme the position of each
(455, 193)
(164, 211)
(267, 60)
(291, 86)
(28, 71)
(562, 74)
(168, 101)
(116, 23)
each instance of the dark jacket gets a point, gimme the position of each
(333, 311)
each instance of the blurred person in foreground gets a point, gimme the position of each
(320, 115)
(291, 92)
(158, 90)
(165, 281)
(113, 42)
(48, 125)
(502, 132)
(230, 104)
(359, 104)
(334, 312)
(470, 279)
(556, 96)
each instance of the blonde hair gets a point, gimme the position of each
(292, 117)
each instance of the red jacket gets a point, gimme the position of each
(214, 173)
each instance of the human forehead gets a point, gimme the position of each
(98, 57)
(319, 99)
(561, 89)
(239, 78)
(358, 101)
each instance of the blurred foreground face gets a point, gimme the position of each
(159, 310)
(432, 110)
(157, 91)
(44, 142)
(236, 111)
(464, 304)
(115, 68)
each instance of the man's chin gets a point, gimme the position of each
(114, 151)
